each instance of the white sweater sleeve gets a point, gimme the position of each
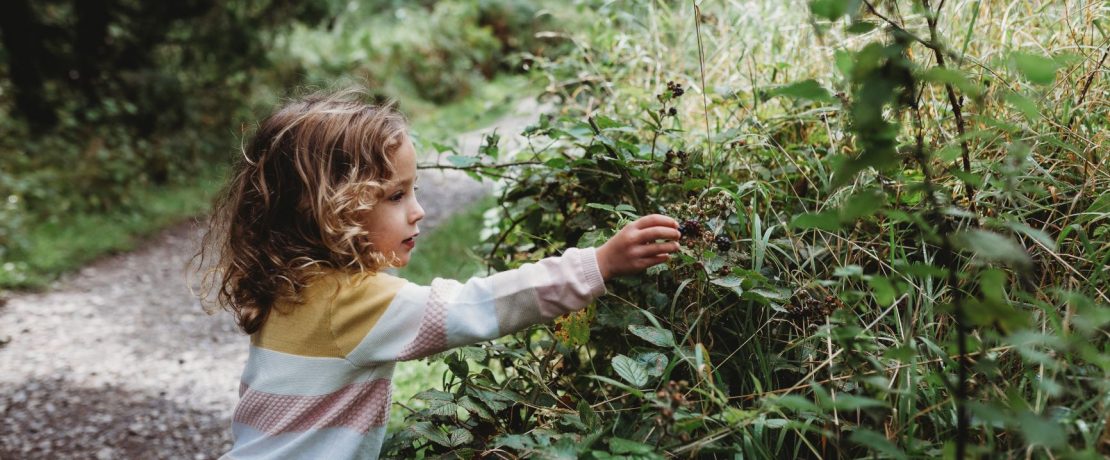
(424, 320)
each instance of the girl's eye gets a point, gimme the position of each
(397, 196)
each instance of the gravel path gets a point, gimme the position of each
(118, 360)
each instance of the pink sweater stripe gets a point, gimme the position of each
(359, 406)
(432, 335)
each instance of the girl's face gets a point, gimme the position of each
(392, 222)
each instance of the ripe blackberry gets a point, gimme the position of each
(723, 242)
(690, 229)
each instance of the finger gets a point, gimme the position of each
(654, 220)
(652, 234)
(658, 259)
(655, 249)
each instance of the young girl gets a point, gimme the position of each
(322, 200)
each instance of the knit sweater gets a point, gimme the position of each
(317, 380)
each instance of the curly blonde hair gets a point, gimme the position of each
(295, 205)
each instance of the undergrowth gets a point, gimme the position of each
(894, 239)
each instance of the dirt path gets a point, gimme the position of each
(119, 360)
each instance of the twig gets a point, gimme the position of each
(954, 101)
(704, 97)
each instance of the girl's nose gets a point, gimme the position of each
(417, 213)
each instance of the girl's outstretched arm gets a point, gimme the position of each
(422, 320)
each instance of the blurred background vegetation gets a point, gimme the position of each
(896, 211)
(118, 117)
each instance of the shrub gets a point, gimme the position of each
(864, 273)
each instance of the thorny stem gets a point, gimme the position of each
(954, 101)
(947, 258)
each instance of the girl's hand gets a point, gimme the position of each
(635, 248)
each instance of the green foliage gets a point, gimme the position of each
(122, 98)
(863, 273)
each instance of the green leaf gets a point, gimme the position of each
(956, 78)
(474, 407)
(882, 290)
(730, 281)
(806, 89)
(1040, 431)
(460, 436)
(1024, 105)
(1037, 235)
(861, 27)
(1035, 68)
(630, 370)
(862, 204)
(587, 414)
(876, 442)
(427, 431)
(462, 161)
(654, 361)
(853, 402)
(604, 122)
(795, 403)
(993, 247)
(833, 9)
(657, 336)
(825, 220)
(625, 446)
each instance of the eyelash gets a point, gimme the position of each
(397, 196)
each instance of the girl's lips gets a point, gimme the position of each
(409, 242)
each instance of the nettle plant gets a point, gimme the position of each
(915, 270)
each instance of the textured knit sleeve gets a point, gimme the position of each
(424, 320)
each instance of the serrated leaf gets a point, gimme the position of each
(654, 335)
(460, 436)
(427, 431)
(474, 407)
(429, 395)
(472, 353)
(630, 370)
(442, 408)
(494, 401)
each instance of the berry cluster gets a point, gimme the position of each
(694, 232)
(804, 306)
(690, 229)
(675, 89)
(670, 399)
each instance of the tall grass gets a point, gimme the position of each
(963, 310)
